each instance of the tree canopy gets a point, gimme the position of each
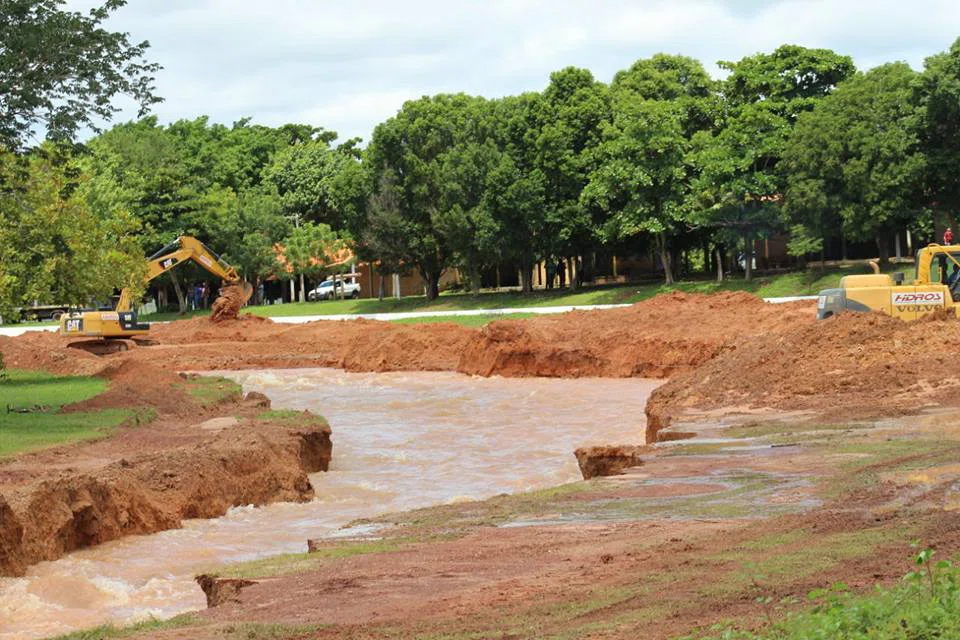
(663, 162)
(61, 70)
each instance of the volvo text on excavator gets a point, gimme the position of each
(937, 286)
(119, 329)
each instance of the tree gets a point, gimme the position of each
(575, 108)
(739, 183)
(516, 186)
(252, 233)
(465, 220)
(60, 70)
(938, 93)
(311, 249)
(410, 148)
(642, 180)
(858, 154)
(307, 178)
(53, 249)
(643, 175)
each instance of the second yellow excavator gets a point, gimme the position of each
(119, 329)
(936, 288)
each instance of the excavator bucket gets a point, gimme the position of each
(231, 299)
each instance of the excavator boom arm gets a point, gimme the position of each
(181, 250)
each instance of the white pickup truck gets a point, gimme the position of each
(345, 289)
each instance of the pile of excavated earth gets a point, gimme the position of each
(718, 351)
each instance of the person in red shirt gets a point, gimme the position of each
(948, 236)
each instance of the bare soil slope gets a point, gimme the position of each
(850, 366)
(191, 461)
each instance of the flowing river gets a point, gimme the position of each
(400, 441)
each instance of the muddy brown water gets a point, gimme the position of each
(401, 441)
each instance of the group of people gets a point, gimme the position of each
(200, 296)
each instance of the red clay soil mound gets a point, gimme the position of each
(48, 351)
(228, 304)
(138, 384)
(373, 345)
(853, 365)
(202, 329)
(656, 338)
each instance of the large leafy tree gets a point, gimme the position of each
(406, 155)
(61, 70)
(858, 155)
(309, 179)
(939, 96)
(643, 180)
(53, 248)
(739, 184)
(516, 187)
(465, 220)
(575, 108)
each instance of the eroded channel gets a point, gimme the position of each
(401, 440)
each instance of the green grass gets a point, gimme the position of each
(30, 417)
(212, 390)
(289, 417)
(290, 563)
(230, 631)
(925, 604)
(21, 432)
(109, 631)
(25, 389)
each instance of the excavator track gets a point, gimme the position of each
(104, 346)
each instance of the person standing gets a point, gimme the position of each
(948, 236)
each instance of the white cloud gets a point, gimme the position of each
(348, 65)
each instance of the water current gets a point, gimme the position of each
(401, 441)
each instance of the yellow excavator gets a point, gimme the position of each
(937, 286)
(119, 329)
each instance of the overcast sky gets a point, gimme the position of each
(347, 65)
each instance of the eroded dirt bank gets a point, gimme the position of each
(656, 338)
(191, 461)
(850, 366)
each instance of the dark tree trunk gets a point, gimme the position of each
(665, 258)
(883, 245)
(719, 257)
(526, 278)
(574, 272)
(432, 288)
(747, 257)
(177, 289)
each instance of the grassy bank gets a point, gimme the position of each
(926, 604)
(31, 416)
